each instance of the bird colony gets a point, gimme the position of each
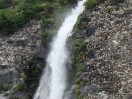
(17, 49)
(108, 59)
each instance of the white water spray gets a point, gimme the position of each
(54, 81)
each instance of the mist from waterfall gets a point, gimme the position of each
(53, 82)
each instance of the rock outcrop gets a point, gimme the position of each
(108, 59)
(22, 52)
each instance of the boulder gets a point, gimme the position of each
(41, 53)
(90, 30)
(85, 19)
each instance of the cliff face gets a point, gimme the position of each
(22, 53)
(107, 32)
(17, 49)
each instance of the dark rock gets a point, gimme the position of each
(7, 75)
(83, 77)
(118, 22)
(41, 53)
(85, 19)
(119, 15)
(19, 95)
(128, 11)
(100, 25)
(115, 2)
(90, 30)
(10, 42)
(80, 33)
(83, 90)
(21, 42)
(91, 54)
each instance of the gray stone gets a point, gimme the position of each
(9, 75)
(90, 30)
(19, 95)
(81, 33)
(21, 42)
(41, 53)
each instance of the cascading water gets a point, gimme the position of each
(54, 80)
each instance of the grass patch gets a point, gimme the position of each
(77, 80)
(79, 48)
(99, 90)
(110, 9)
(89, 4)
(4, 86)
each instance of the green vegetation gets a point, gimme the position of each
(77, 80)
(7, 94)
(22, 84)
(89, 4)
(24, 77)
(110, 9)
(47, 36)
(35, 72)
(76, 27)
(116, 7)
(80, 96)
(99, 90)
(4, 86)
(79, 48)
(77, 91)
(77, 86)
(81, 83)
(12, 20)
(5, 3)
(24, 10)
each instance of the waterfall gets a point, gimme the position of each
(54, 80)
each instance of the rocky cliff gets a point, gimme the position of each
(21, 53)
(107, 32)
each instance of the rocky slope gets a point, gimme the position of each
(107, 32)
(21, 53)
